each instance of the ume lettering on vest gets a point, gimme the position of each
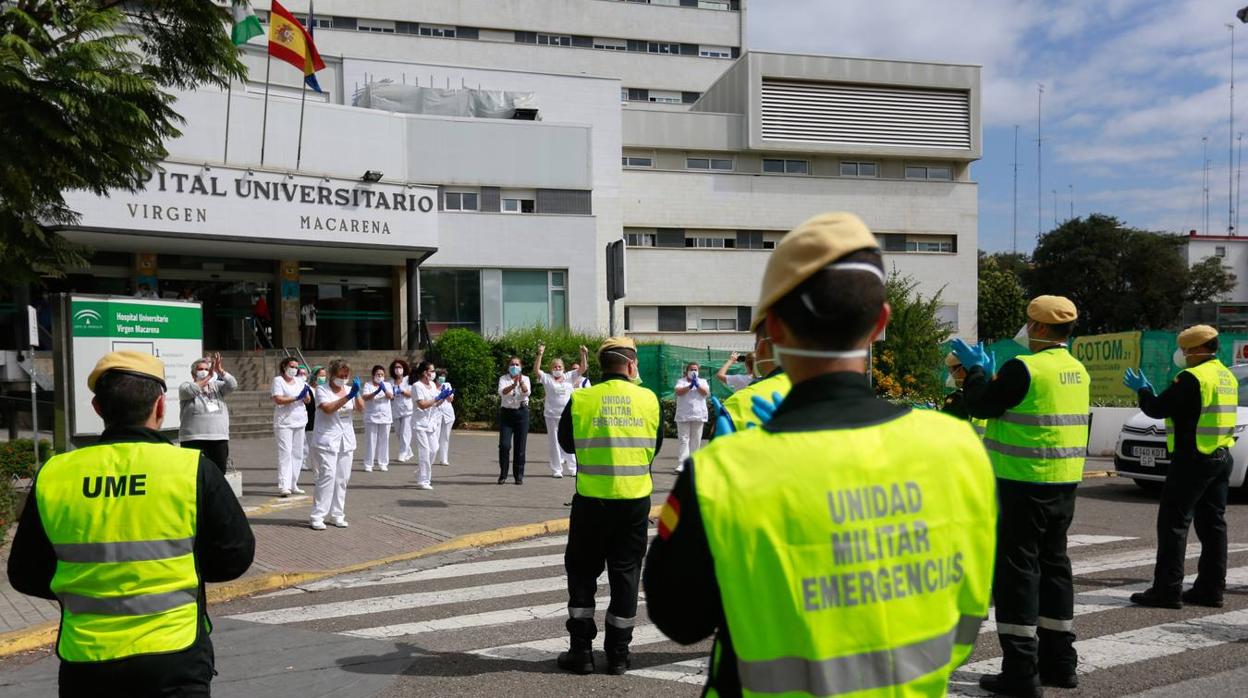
(114, 485)
(1071, 378)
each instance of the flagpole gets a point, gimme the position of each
(229, 94)
(303, 98)
(264, 126)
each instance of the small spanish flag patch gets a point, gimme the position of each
(669, 517)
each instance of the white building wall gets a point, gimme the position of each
(750, 202)
(1235, 260)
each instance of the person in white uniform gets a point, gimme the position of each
(290, 395)
(558, 388)
(580, 368)
(316, 377)
(400, 385)
(740, 380)
(691, 393)
(428, 398)
(377, 396)
(333, 442)
(446, 422)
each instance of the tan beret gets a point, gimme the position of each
(807, 249)
(132, 362)
(951, 360)
(1196, 335)
(1052, 310)
(618, 343)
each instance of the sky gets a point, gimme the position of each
(1130, 89)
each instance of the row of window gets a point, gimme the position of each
(766, 240)
(471, 201)
(452, 298)
(724, 5)
(444, 31)
(641, 94)
(794, 167)
(682, 318)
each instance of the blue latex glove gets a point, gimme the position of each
(1136, 381)
(765, 409)
(445, 393)
(307, 390)
(355, 389)
(723, 423)
(972, 356)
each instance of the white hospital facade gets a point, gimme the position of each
(653, 124)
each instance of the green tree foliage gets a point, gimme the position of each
(469, 364)
(1120, 278)
(1210, 281)
(906, 365)
(84, 105)
(1002, 300)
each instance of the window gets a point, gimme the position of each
(716, 318)
(720, 325)
(518, 205)
(323, 22)
(657, 47)
(461, 201)
(1219, 251)
(554, 40)
(897, 242)
(558, 299)
(671, 318)
(663, 96)
(713, 4)
(933, 172)
(922, 245)
(639, 239)
(778, 166)
(437, 30)
(610, 44)
(701, 163)
(450, 298)
(858, 169)
(526, 299)
(634, 94)
(754, 240)
(381, 26)
(637, 161)
(715, 52)
(710, 241)
(948, 314)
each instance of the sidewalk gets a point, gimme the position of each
(388, 516)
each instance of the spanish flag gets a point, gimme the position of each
(290, 42)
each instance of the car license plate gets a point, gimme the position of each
(1149, 456)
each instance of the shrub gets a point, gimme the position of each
(469, 366)
(17, 458)
(561, 343)
(8, 506)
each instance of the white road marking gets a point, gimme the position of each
(542, 650)
(506, 616)
(459, 569)
(1129, 647)
(1143, 557)
(692, 671)
(1079, 540)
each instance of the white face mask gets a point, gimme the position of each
(1024, 338)
(291, 372)
(398, 372)
(201, 374)
(693, 375)
(379, 379)
(557, 373)
(340, 382)
(1180, 359)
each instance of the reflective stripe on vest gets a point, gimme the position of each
(1045, 437)
(980, 426)
(740, 405)
(887, 529)
(121, 519)
(614, 426)
(1219, 408)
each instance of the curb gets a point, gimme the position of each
(44, 634)
(1095, 474)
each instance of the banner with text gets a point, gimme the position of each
(1106, 357)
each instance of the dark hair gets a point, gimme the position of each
(125, 399)
(407, 369)
(1061, 330)
(281, 365)
(1211, 346)
(835, 309)
(376, 368)
(618, 358)
(422, 367)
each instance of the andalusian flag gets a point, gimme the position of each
(290, 42)
(246, 25)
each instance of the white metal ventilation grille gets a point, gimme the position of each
(883, 116)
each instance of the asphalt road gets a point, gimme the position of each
(490, 622)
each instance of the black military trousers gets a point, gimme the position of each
(610, 533)
(1032, 588)
(1196, 486)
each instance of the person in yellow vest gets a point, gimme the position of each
(1037, 438)
(123, 534)
(955, 402)
(1200, 410)
(846, 545)
(615, 429)
(774, 382)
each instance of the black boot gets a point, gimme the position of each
(1152, 599)
(618, 663)
(1199, 597)
(578, 660)
(1059, 679)
(1017, 686)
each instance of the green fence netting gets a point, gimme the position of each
(663, 364)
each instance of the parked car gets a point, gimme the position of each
(1141, 453)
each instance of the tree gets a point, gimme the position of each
(1210, 280)
(84, 105)
(1002, 300)
(906, 365)
(1120, 278)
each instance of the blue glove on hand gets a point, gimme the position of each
(355, 389)
(307, 390)
(765, 409)
(1136, 381)
(723, 423)
(972, 356)
(445, 393)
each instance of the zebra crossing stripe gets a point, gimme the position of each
(1079, 540)
(460, 569)
(1142, 557)
(547, 649)
(474, 620)
(692, 671)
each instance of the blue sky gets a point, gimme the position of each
(1131, 87)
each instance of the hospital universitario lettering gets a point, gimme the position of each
(248, 188)
(881, 550)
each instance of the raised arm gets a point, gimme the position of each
(722, 373)
(537, 362)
